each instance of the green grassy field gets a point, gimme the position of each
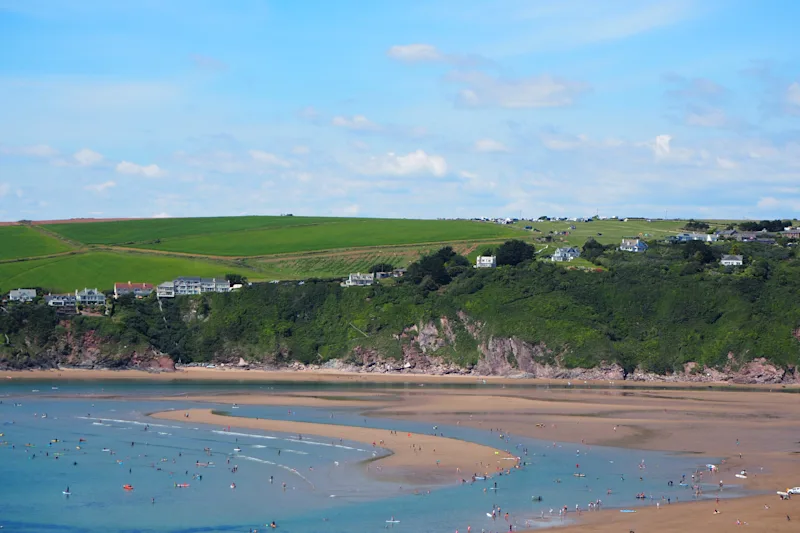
(342, 264)
(241, 236)
(133, 231)
(612, 230)
(20, 241)
(331, 235)
(102, 269)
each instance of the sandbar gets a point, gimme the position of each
(416, 457)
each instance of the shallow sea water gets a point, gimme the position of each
(320, 496)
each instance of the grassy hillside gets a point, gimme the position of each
(251, 236)
(654, 311)
(132, 231)
(605, 231)
(102, 269)
(21, 241)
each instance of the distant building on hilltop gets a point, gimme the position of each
(633, 245)
(61, 300)
(486, 261)
(565, 254)
(22, 295)
(184, 286)
(359, 280)
(139, 290)
(732, 260)
(686, 237)
(90, 297)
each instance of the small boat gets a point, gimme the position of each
(237, 449)
(579, 475)
(233, 485)
(54, 388)
(181, 485)
(127, 487)
(55, 441)
(235, 406)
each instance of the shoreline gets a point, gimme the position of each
(415, 458)
(340, 377)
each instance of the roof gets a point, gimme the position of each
(132, 286)
(732, 257)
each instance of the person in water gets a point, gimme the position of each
(273, 525)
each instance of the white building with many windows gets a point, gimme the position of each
(90, 297)
(486, 261)
(359, 280)
(633, 245)
(184, 286)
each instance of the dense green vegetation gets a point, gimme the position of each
(22, 241)
(656, 311)
(102, 269)
(768, 225)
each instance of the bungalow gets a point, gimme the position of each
(359, 280)
(139, 290)
(486, 261)
(791, 233)
(633, 245)
(61, 300)
(732, 260)
(565, 254)
(90, 297)
(22, 295)
(727, 233)
(398, 272)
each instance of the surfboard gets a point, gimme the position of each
(489, 515)
(627, 511)
(741, 476)
(393, 521)
(65, 493)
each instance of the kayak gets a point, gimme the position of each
(127, 487)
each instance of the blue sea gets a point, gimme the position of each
(54, 439)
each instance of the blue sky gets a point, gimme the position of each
(405, 109)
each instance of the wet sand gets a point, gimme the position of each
(763, 426)
(416, 457)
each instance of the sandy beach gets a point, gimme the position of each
(415, 457)
(760, 423)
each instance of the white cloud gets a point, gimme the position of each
(301, 150)
(37, 150)
(270, 159)
(101, 187)
(711, 118)
(793, 94)
(490, 145)
(727, 164)
(148, 171)
(359, 145)
(413, 53)
(414, 163)
(482, 90)
(86, 157)
(661, 147)
(4, 188)
(356, 123)
(161, 215)
(468, 175)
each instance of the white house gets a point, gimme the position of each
(60, 300)
(359, 280)
(633, 245)
(486, 261)
(732, 260)
(183, 286)
(166, 290)
(139, 290)
(22, 295)
(90, 297)
(565, 254)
